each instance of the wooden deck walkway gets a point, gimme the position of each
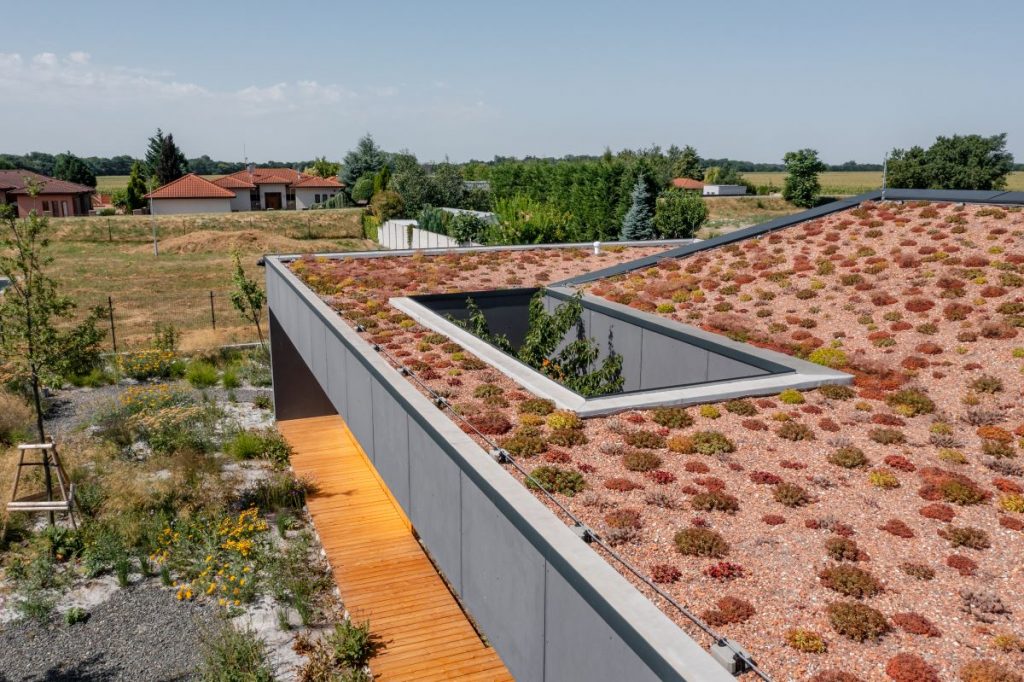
(382, 572)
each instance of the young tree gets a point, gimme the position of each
(136, 190)
(639, 220)
(801, 186)
(69, 167)
(366, 158)
(362, 190)
(164, 160)
(957, 162)
(688, 165)
(680, 214)
(323, 168)
(448, 188)
(248, 298)
(37, 349)
(411, 183)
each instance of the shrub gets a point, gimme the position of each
(1013, 502)
(961, 564)
(842, 549)
(765, 478)
(837, 392)
(988, 671)
(806, 641)
(641, 460)
(856, 621)
(986, 383)
(911, 402)
(850, 581)
(916, 624)
(536, 406)
(709, 412)
(743, 408)
(724, 571)
(829, 357)
(910, 668)
(919, 571)
(790, 495)
(665, 573)
(715, 500)
(883, 478)
(525, 442)
(711, 443)
(623, 518)
(149, 364)
(848, 457)
(791, 396)
(201, 374)
(967, 536)
(937, 511)
(833, 675)
(231, 655)
(491, 423)
(264, 444)
(556, 480)
(672, 417)
(567, 438)
(701, 542)
(564, 420)
(897, 528)
(887, 436)
(645, 439)
(795, 431)
(773, 519)
(730, 610)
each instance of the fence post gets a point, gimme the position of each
(213, 316)
(110, 235)
(113, 332)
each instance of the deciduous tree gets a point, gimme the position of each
(69, 167)
(366, 159)
(957, 162)
(322, 168)
(680, 214)
(801, 185)
(248, 297)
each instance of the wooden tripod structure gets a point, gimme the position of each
(49, 459)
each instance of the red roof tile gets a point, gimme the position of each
(279, 176)
(17, 181)
(190, 186)
(687, 183)
(232, 182)
(316, 181)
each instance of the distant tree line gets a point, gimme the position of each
(41, 162)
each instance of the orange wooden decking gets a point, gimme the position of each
(382, 572)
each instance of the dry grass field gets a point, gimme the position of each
(108, 183)
(99, 257)
(839, 183)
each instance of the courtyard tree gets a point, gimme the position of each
(957, 162)
(164, 160)
(688, 165)
(40, 345)
(638, 222)
(136, 189)
(69, 167)
(447, 186)
(366, 159)
(362, 190)
(322, 168)
(679, 214)
(801, 186)
(248, 298)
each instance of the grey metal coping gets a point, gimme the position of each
(670, 652)
(789, 372)
(964, 196)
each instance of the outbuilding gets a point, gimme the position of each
(190, 194)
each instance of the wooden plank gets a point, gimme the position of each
(379, 567)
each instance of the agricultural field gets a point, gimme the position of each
(839, 183)
(109, 183)
(100, 257)
(731, 213)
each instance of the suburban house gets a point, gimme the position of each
(708, 190)
(54, 198)
(688, 183)
(252, 189)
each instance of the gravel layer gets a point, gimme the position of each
(140, 633)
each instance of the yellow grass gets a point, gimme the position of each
(835, 183)
(195, 259)
(107, 184)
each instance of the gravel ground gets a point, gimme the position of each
(140, 633)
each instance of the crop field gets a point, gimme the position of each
(99, 257)
(839, 183)
(109, 183)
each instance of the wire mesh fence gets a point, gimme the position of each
(199, 321)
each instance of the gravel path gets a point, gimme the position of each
(140, 633)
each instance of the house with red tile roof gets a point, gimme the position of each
(687, 183)
(252, 189)
(51, 197)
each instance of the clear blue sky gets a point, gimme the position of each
(475, 79)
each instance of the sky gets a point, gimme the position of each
(290, 81)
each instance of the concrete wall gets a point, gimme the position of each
(394, 234)
(552, 607)
(724, 190)
(178, 206)
(242, 200)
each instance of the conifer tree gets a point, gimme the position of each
(638, 222)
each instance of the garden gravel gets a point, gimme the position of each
(140, 633)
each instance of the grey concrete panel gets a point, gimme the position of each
(579, 645)
(360, 406)
(318, 349)
(670, 362)
(503, 583)
(337, 384)
(627, 341)
(721, 368)
(391, 443)
(435, 501)
(302, 322)
(297, 393)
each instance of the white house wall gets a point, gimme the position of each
(304, 198)
(265, 189)
(242, 200)
(180, 206)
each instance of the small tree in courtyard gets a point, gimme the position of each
(680, 214)
(638, 222)
(136, 190)
(801, 186)
(248, 298)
